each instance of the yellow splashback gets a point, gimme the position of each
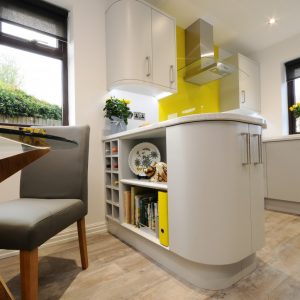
(191, 98)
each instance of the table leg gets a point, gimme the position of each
(5, 293)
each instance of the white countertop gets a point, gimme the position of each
(189, 119)
(290, 137)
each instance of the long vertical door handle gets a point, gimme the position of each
(243, 96)
(246, 159)
(257, 150)
(172, 77)
(148, 66)
(260, 149)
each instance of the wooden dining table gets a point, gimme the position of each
(19, 147)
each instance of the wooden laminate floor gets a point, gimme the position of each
(117, 271)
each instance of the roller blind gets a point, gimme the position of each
(292, 69)
(36, 15)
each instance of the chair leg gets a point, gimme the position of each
(29, 274)
(82, 243)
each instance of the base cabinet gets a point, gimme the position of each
(215, 198)
(216, 192)
(282, 169)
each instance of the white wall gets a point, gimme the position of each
(273, 86)
(138, 103)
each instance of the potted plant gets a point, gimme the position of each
(295, 109)
(118, 112)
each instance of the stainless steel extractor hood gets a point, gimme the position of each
(201, 66)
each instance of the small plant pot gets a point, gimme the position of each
(117, 125)
(298, 124)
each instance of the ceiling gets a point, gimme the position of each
(239, 25)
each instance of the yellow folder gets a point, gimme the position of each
(163, 218)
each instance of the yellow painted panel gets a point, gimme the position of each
(191, 98)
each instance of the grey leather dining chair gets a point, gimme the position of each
(53, 195)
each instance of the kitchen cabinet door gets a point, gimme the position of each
(210, 208)
(128, 38)
(241, 89)
(256, 187)
(164, 50)
(249, 83)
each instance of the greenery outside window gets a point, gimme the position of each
(33, 63)
(293, 92)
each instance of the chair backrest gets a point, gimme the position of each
(60, 173)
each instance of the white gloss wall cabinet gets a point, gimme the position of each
(215, 196)
(140, 48)
(241, 89)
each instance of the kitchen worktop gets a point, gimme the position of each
(290, 137)
(190, 119)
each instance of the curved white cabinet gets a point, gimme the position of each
(215, 196)
(140, 48)
(216, 208)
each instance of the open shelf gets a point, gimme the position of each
(115, 180)
(111, 177)
(145, 233)
(108, 194)
(107, 149)
(115, 197)
(108, 209)
(162, 186)
(116, 213)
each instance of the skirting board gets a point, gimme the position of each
(69, 234)
(283, 206)
(203, 276)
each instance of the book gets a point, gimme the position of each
(135, 190)
(127, 206)
(145, 211)
(132, 206)
(156, 220)
(137, 210)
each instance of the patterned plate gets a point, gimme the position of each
(142, 156)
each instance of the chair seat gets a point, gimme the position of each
(27, 223)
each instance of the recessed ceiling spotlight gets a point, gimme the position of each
(272, 21)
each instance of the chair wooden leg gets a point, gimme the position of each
(29, 274)
(82, 243)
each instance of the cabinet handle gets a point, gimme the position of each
(243, 96)
(259, 149)
(246, 159)
(259, 145)
(148, 66)
(260, 152)
(172, 77)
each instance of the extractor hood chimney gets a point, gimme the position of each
(201, 66)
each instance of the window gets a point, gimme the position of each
(33, 63)
(293, 90)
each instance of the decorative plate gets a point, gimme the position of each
(142, 156)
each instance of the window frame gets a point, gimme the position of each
(61, 53)
(291, 101)
(292, 69)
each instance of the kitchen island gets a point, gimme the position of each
(215, 195)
